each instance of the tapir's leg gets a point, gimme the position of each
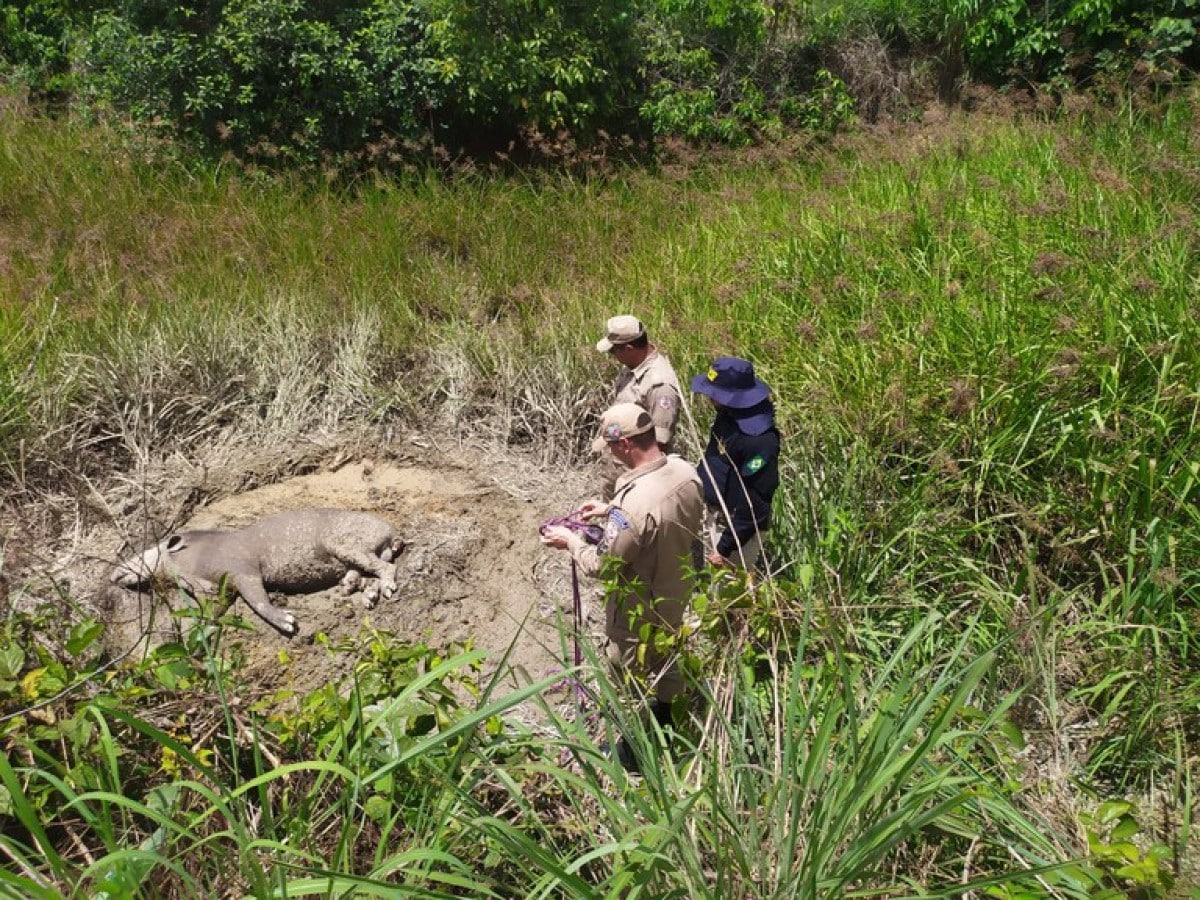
(366, 561)
(193, 585)
(371, 595)
(251, 589)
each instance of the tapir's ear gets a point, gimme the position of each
(175, 543)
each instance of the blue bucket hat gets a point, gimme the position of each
(731, 383)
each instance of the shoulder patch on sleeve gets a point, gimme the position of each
(616, 523)
(668, 401)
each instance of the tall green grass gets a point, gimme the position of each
(829, 780)
(982, 338)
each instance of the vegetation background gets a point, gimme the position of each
(959, 239)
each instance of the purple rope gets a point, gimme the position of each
(592, 534)
(580, 696)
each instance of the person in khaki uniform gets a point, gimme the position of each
(647, 379)
(652, 526)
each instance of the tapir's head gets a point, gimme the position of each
(138, 571)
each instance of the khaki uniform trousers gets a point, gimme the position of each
(631, 658)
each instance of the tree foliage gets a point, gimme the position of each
(36, 38)
(727, 71)
(1057, 38)
(534, 62)
(309, 80)
(297, 78)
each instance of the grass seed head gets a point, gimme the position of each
(962, 400)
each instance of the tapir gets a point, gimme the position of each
(292, 552)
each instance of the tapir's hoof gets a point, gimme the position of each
(371, 595)
(287, 624)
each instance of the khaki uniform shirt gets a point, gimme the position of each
(653, 522)
(654, 386)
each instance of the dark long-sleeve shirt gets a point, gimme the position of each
(743, 470)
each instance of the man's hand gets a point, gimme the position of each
(593, 509)
(557, 536)
(716, 559)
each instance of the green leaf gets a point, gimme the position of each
(1111, 810)
(12, 660)
(1126, 849)
(1014, 734)
(377, 808)
(805, 573)
(1126, 828)
(83, 635)
(173, 674)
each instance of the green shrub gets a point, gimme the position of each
(299, 80)
(35, 42)
(727, 71)
(274, 79)
(1073, 37)
(517, 64)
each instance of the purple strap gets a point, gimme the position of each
(593, 535)
(578, 604)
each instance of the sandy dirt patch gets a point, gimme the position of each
(472, 570)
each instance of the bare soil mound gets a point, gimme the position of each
(472, 570)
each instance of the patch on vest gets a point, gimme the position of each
(754, 464)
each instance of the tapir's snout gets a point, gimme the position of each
(129, 574)
(136, 571)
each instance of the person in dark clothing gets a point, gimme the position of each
(740, 468)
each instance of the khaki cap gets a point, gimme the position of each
(621, 330)
(621, 421)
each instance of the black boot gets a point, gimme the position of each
(662, 712)
(627, 758)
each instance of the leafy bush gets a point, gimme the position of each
(728, 71)
(378, 81)
(272, 78)
(516, 63)
(35, 42)
(106, 780)
(1073, 37)
(302, 79)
